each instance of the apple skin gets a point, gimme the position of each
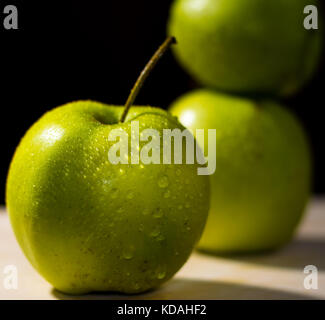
(246, 46)
(263, 170)
(88, 225)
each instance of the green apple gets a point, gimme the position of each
(263, 170)
(89, 225)
(246, 45)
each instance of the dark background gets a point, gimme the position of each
(70, 50)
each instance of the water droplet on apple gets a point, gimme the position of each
(163, 182)
(114, 193)
(167, 194)
(160, 238)
(120, 210)
(161, 275)
(128, 254)
(155, 233)
(130, 195)
(158, 213)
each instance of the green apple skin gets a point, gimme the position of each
(88, 225)
(263, 170)
(246, 46)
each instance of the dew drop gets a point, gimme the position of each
(167, 194)
(161, 275)
(120, 210)
(160, 238)
(155, 233)
(128, 254)
(130, 195)
(158, 213)
(163, 182)
(114, 193)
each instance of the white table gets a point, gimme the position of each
(278, 275)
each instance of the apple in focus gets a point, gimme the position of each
(88, 225)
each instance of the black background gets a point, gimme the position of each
(70, 50)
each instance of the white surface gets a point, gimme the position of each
(277, 275)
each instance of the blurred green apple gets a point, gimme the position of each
(87, 224)
(263, 170)
(246, 45)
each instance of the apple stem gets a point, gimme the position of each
(145, 73)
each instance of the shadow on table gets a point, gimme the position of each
(185, 289)
(296, 255)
